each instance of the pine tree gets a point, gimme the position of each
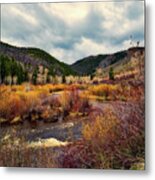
(20, 74)
(63, 79)
(111, 74)
(26, 76)
(34, 76)
(4, 68)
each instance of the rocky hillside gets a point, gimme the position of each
(34, 57)
(88, 65)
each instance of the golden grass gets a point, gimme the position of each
(102, 89)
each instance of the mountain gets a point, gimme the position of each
(88, 65)
(31, 58)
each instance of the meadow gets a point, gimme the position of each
(76, 125)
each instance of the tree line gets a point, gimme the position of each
(14, 72)
(11, 71)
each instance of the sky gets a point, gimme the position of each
(72, 31)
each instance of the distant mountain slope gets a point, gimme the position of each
(88, 65)
(33, 57)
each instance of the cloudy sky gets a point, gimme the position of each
(71, 31)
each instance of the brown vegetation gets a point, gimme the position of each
(112, 133)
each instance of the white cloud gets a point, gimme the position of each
(70, 31)
(70, 13)
(88, 47)
(26, 16)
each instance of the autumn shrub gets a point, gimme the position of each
(11, 107)
(123, 91)
(108, 143)
(72, 102)
(130, 91)
(76, 86)
(57, 87)
(18, 103)
(116, 144)
(98, 128)
(82, 154)
(31, 99)
(77, 155)
(17, 88)
(4, 98)
(105, 90)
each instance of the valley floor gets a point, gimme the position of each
(73, 126)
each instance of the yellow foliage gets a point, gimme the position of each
(102, 89)
(65, 99)
(17, 101)
(99, 128)
(56, 87)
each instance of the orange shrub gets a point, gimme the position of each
(116, 143)
(57, 87)
(105, 90)
(11, 106)
(17, 103)
(99, 127)
(76, 86)
(72, 102)
(31, 99)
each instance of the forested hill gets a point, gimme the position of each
(31, 58)
(88, 65)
